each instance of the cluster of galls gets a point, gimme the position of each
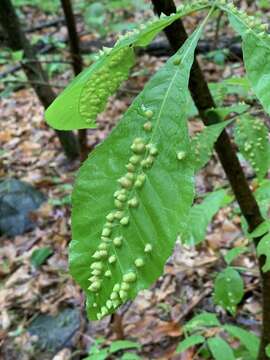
(102, 84)
(250, 146)
(125, 199)
(251, 22)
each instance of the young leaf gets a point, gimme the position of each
(203, 143)
(229, 289)
(123, 345)
(86, 96)
(201, 215)
(249, 340)
(234, 253)
(220, 349)
(39, 256)
(256, 51)
(189, 342)
(267, 350)
(124, 224)
(263, 248)
(202, 321)
(262, 229)
(251, 136)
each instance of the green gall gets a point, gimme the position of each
(125, 183)
(130, 167)
(138, 184)
(112, 259)
(103, 253)
(153, 150)
(110, 217)
(125, 286)
(118, 204)
(135, 159)
(103, 246)
(141, 177)
(96, 265)
(108, 273)
(177, 61)
(93, 279)
(96, 255)
(105, 239)
(149, 114)
(95, 305)
(148, 248)
(118, 241)
(99, 316)
(95, 286)
(138, 148)
(114, 295)
(148, 126)
(139, 262)
(181, 155)
(109, 304)
(116, 287)
(124, 220)
(104, 311)
(123, 295)
(106, 232)
(122, 197)
(129, 277)
(134, 202)
(116, 303)
(130, 176)
(118, 215)
(96, 272)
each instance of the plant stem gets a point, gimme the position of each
(77, 63)
(203, 99)
(34, 72)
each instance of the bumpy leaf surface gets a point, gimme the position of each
(203, 143)
(86, 96)
(124, 224)
(256, 51)
(251, 136)
(229, 289)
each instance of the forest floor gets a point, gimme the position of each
(155, 318)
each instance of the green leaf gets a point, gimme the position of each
(234, 253)
(100, 355)
(263, 248)
(224, 111)
(39, 256)
(202, 320)
(123, 345)
(262, 195)
(229, 289)
(158, 187)
(256, 51)
(260, 230)
(203, 143)
(189, 342)
(249, 340)
(267, 350)
(220, 349)
(202, 214)
(251, 136)
(86, 96)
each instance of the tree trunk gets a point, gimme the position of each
(77, 63)
(33, 70)
(202, 97)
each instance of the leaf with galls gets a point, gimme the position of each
(157, 197)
